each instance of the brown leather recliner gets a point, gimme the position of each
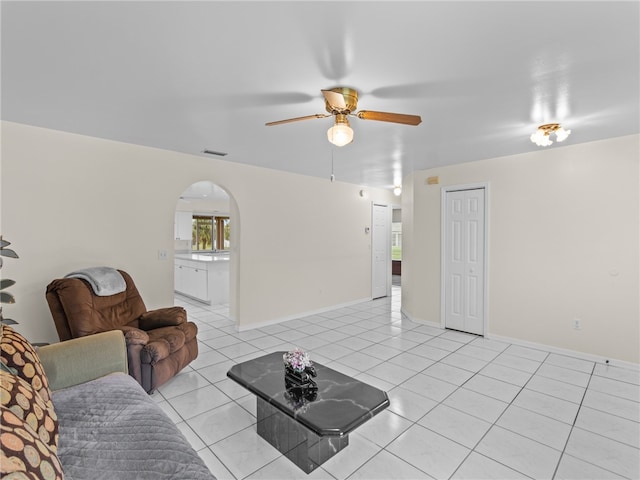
(160, 342)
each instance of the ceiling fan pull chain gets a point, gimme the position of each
(333, 177)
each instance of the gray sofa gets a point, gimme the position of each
(109, 428)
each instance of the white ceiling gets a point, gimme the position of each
(205, 190)
(186, 76)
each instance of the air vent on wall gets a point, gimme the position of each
(213, 152)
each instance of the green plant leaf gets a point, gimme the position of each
(6, 282)
(4, 243)
(8, 321)
(7, 298)
(7, 252)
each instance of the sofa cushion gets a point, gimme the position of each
(24, 455)
(20, 356)
(18, 396)
(111, 425)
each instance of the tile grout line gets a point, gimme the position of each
(441, 402)
(493, 424)
(564, 448)
(377, 320)
(573, 426)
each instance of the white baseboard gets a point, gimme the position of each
(244, 328)
(540, 346)
(421, 321)
(569, 353)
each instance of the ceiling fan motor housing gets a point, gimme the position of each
(350, 101)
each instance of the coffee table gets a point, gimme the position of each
(307, 430)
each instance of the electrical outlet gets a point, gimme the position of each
(577, 324)
(162, 255)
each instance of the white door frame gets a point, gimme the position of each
(443, 220)
(388, 249)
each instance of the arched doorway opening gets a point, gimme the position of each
(205, 245)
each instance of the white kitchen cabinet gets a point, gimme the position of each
(183, 228)
(203, 277)
(192, 280)
(198, 283)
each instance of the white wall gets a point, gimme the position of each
(563, 244)
(71, 201)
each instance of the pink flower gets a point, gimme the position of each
(297, 359)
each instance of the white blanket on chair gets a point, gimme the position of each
(104, 281)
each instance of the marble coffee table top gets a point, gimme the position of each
(342, 403)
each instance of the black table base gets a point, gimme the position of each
(295, 441)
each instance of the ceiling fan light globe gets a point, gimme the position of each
(340, 135)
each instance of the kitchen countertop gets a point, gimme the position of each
(204, 257)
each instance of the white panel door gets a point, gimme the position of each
(464, 260)
(381, 251)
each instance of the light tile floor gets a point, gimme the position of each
(462, 407)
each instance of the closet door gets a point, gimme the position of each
(464, 263)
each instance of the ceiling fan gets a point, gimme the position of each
(342, 102)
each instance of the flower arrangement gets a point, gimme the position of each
(297, 360)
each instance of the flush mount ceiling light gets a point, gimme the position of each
(542, 136)
(397, 190)
(341, 133)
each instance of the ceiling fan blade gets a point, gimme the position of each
(389, 117)
(335, 99)
(264, 99)
(297, 119)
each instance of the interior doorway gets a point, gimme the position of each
(380, 251)
(464, 239)
(396, 246)
(203, 244)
